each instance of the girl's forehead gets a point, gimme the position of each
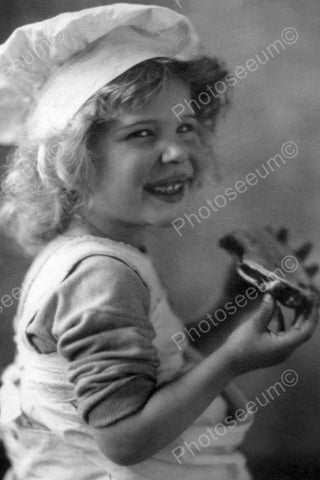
(173, 92)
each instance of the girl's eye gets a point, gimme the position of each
(186, 127)
(145, 133)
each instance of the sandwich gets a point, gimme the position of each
(265, 261)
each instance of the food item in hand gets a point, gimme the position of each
(261, 261)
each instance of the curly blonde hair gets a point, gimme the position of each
(49, 183)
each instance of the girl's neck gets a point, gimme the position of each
(131, 235)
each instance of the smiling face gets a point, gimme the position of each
(151, 163)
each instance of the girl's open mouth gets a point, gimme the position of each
(169, 189)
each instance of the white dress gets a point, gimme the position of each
(58, 444)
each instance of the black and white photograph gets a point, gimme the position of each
(159, 240)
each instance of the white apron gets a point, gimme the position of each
(44, 435)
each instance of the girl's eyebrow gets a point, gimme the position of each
(135, 124)
(150, 120)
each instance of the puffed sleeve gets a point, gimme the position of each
(102, 328)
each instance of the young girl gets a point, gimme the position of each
(98, 389)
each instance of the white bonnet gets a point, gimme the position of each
(49, 69)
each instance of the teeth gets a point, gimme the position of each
(171, 188)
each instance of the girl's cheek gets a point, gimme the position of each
(196, 147)
(202, 156)
(194, 140)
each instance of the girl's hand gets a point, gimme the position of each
(252, 345)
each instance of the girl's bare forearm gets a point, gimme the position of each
(168, 412)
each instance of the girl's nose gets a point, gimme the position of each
(174, 153)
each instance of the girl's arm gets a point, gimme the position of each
(167, 413)
(174, 406)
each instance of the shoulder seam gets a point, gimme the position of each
(121, 260)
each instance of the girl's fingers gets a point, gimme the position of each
(265, 312)
(313, 317)
(300, 331)
(298, 320)
(280, 320)
(303, 318)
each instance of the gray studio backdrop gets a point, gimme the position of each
(275, 106)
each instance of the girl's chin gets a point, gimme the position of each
(163, 210)
(166, 220)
